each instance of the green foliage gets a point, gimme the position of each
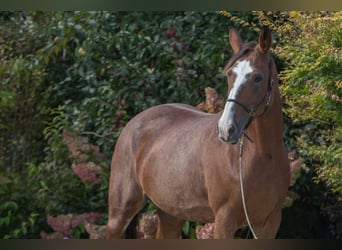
(313, 105)
(115, 65)
(12, 225)
(79, 232)
(312, 87)
(16, 221)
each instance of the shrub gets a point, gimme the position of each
(312, 89)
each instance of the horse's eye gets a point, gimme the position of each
(258, 78)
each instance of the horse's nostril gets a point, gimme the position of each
(227, 134)
(231, 130)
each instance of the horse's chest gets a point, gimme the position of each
(264, 190)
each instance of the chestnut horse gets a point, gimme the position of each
(187, 162)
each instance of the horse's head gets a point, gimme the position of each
(250, 83)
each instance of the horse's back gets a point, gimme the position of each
(156, 121)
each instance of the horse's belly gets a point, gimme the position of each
(198, 214)
(190, 210)
(175, 185)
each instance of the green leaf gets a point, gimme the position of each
(186, 227)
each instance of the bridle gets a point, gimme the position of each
(266, 100)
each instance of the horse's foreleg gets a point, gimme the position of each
(169, 227)
(270, 228)
(225, 224)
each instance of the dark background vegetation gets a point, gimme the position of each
(90, 72)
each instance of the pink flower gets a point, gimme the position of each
(91, 217)
(147, 226)
(87, 172)
(205, 232)
(75, 223)
(61, 224)
(170, 33)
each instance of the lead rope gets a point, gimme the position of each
(242, 190)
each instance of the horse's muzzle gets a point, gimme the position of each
(230, 134)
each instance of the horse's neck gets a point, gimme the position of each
(266, 130)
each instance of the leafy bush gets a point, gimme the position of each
(16, 221)
(312, 88)
(127, 62)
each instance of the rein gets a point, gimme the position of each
(242, 190)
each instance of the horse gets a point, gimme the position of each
(185, 161)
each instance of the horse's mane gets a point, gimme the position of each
(243, 52)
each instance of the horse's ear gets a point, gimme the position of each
(235, 40)
(265, 40)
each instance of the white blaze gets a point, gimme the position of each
(241, 69)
